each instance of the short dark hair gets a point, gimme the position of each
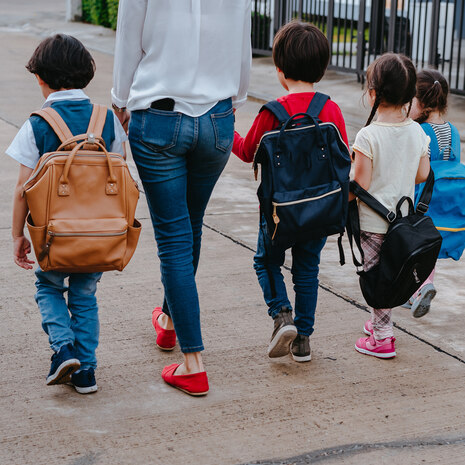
(301, 52)
(432, 92)
(62, 62)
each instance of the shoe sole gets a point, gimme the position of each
(366, 331)
(63, 372)
(166, 349)
(375, 354)
(86, 390)
(423, 306)
(195, 394)
(300, 359)
(280, 345)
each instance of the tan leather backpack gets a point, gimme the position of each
(82, 201)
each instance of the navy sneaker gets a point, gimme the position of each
(64, 363)
(84, 381)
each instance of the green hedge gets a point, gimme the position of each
(102, 12)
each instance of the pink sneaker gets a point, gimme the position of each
(368, 328)
(382, 349)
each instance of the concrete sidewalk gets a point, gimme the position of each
(342, 408)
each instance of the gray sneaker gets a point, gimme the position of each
(283, 334)
(300, 349)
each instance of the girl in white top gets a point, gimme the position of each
(391, 155)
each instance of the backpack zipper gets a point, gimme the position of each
(295, 202)
(300, 128)
(46, 248)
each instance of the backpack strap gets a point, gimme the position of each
(56, 122)
(278, 111)
(374, 204)
(426, 194)
(455, 142)
(97, 121)
(317, 104)
(434, 151)
(390, 216)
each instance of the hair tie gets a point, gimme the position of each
(435, 82)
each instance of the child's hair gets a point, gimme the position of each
(301, 52)
(62, 62)
(432, 91)
(393, 79)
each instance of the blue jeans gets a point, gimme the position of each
(179, 159)
(305, 263)
(75, 321)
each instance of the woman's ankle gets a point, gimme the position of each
(192, 364)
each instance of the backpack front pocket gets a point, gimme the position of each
(307, 210)
(85, 245)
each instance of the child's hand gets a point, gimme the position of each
(21, 247)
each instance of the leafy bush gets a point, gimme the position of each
(102, 12)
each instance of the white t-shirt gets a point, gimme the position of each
(196, 52)
(395, 150)
(23, 148)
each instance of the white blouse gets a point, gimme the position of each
(197, 52)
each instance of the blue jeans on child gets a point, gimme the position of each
(75, 321)
(179, 159)
(305, 264)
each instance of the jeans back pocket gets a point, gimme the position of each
(223, 126)
(159, 130)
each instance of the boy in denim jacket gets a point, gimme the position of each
(63, 67)
(301, 55)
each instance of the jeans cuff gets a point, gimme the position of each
(56, 347)
(189, 350)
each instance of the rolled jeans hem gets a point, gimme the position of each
(56, 347)
(190, 350)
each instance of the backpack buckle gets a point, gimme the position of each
(91, 138)
(422, 207)
(391, 216)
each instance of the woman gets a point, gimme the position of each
(180, 69)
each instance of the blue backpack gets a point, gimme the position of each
(447, 208)
(305, 168)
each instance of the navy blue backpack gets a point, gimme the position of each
(305, 168)
(447, 208)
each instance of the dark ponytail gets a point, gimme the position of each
(432, 92)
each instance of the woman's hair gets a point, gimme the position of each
(393, 79)
(432, 91)
(301, 52)
(62, 62)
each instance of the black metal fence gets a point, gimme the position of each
(431, 32)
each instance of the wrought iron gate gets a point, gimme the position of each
(431, 32)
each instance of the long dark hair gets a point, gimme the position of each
(432, 92)
(392, 77)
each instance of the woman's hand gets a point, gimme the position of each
(123, 116)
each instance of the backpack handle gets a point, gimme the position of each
(411, 208)
(63, 187)
(300, 117)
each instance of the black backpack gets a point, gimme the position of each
(305, 168)
(408, 253)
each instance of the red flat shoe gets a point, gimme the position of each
(166, 338)
(195, 384)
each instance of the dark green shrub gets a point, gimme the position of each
(112, 12)
(102, 12)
